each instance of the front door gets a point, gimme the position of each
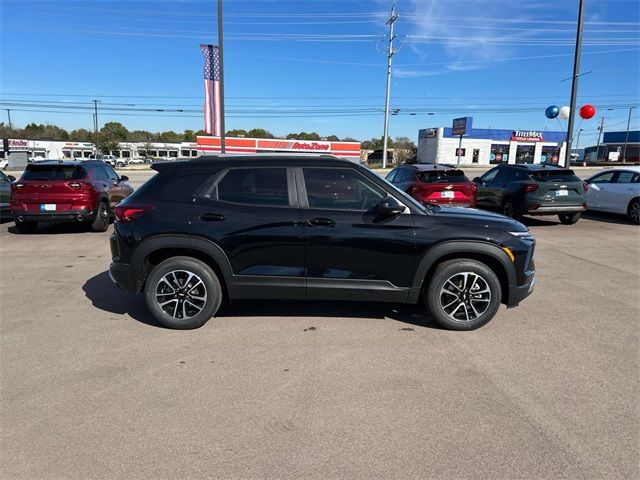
(252, 214)
(476, 155)
(350, 250)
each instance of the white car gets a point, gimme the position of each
(137, 161)
(615, 190)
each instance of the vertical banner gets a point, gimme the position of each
(211, 89)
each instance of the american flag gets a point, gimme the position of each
(211, 89)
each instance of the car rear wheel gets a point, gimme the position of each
(183, 293)
(463, 294)
(634, 211)
(569, 218)
(27, 227)
(101, 221)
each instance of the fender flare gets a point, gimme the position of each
(159, 242)
(435, 253)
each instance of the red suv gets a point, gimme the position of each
(56, 191)
(432, 183)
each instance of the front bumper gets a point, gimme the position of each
(519, 293)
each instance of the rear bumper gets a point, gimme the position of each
(120, 274)
(555, 209)
(462, 204)
(68, 216)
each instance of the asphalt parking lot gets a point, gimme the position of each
(93, 388)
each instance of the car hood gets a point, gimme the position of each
(473, 216)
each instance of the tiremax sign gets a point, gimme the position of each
(529, 136)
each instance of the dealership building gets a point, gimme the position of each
(488, 146)
(612, 147)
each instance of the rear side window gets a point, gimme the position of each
(53, 172)
(255, 186)
(172, 186)
(627, 177)
(443, 176)
(555, 176)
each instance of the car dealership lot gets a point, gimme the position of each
(92, 387)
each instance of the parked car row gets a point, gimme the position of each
(517, 190)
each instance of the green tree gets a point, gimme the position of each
(33, 131)
(238, 132)
(333, 138)
(189, 136)
(140, 136)
(259, 133)
(349, 139)
(169, 137)
(201, 133)
(110, 134)
(81, 135)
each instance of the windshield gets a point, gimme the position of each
(443, 176)
(54, 172)
(555, 176)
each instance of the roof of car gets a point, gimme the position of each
(431, 166)
(256, 159)
(69, 163)
(535, 166)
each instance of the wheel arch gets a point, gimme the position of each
(155, 250)
(489, 254)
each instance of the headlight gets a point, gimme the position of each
(522, 235)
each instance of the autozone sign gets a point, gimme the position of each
(18, 144)
(529, 136)
(310, 146)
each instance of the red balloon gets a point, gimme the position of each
(587, 111)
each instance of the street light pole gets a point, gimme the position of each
(574, 85)
(390, 53)
(626, 137)
(9, 115)
(600, 129)
(95, 123)
(221, 60)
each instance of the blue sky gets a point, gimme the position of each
(318, 65)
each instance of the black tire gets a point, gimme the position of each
(634, 211)
(459, 308)
(569, 218)
(27, 227)
(101, 221)
(510, 208)
(179, 312)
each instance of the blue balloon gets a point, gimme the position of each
(552, 111)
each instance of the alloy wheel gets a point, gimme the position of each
(465, 296)
(634, 211)
(104, 215)
(181, 294)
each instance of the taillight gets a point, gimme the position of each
(80, 186)
(474, 187)
(532, 187)
(585, 186)
(126, 213)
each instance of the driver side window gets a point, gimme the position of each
(340, 189)
(490, 175)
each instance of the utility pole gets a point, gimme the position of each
(390, 53)
(221, 60)
(600, 130)
(626, 137)
(574, 85)
(10, 127)
(95, 123)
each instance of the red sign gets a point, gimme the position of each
(18, 143)
(527, 137)
(309, 146)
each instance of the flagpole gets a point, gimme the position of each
(222, 134)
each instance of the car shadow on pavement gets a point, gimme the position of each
(55, 229)
(607, 218)
(106, 296)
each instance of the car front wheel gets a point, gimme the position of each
(634, 211)
(183, 293)
(463, 294)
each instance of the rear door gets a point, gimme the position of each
(487, 195)
(621, 190)
(253, 215)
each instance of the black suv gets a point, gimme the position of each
(517, 190)
(265, 227)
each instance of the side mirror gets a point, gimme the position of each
(390, 206)
(11, 178)
(124, 178)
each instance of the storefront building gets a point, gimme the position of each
(490, 146)
(347, 150)
(612, 148)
